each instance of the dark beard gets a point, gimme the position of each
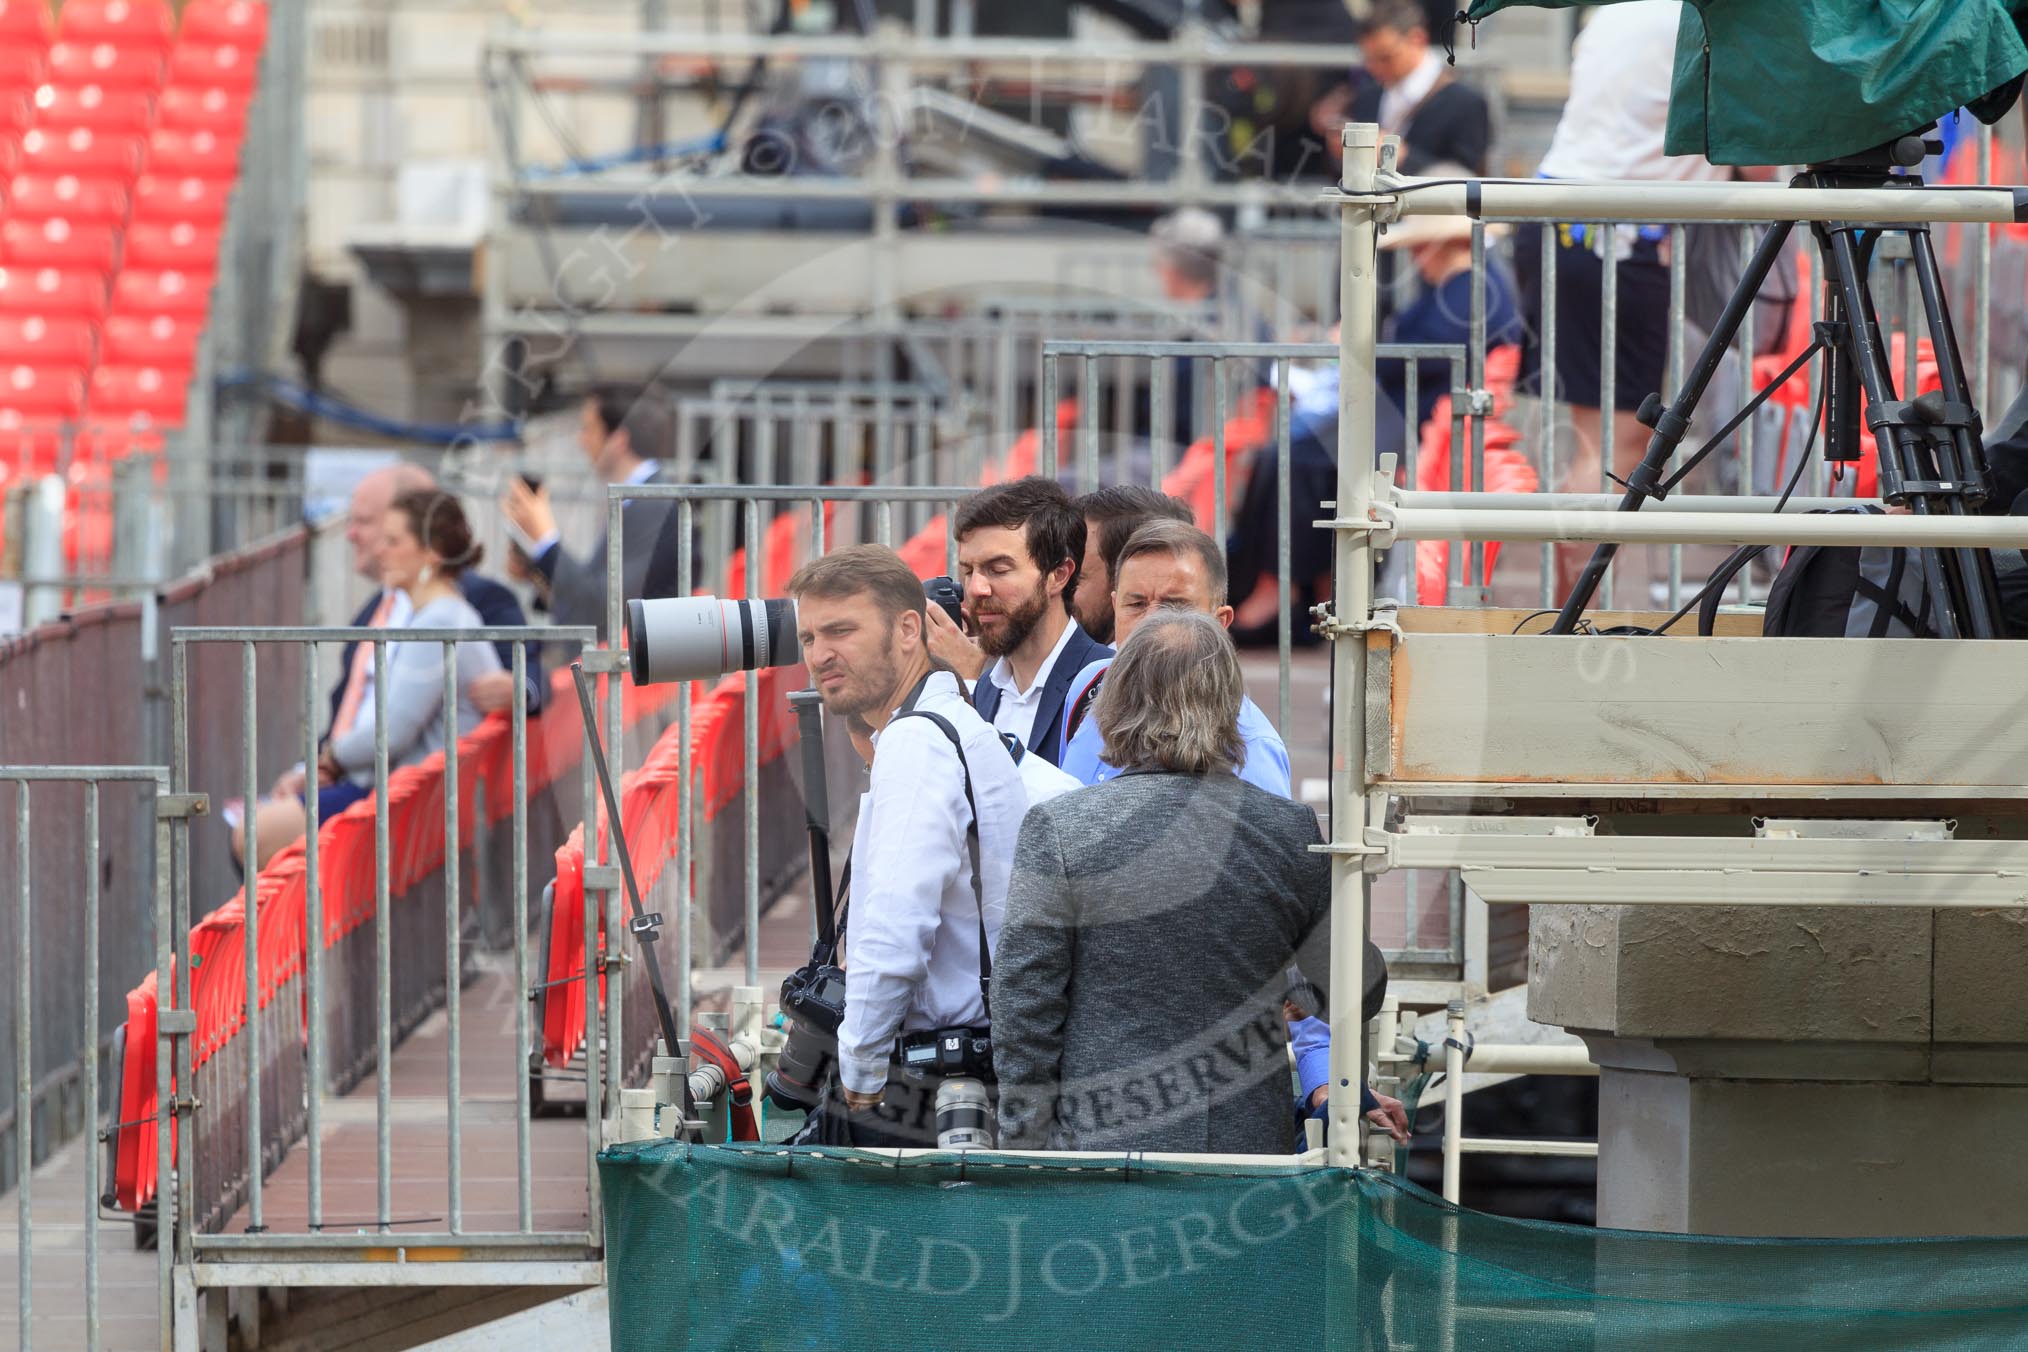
(1019, 625)
(1098, 631)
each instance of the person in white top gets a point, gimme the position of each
(1611, 128)
(930, 861)
(1020, 545)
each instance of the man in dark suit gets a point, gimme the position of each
(625, 435)
(1410, 92)
(1020, 545)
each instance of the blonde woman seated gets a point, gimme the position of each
(425, 545)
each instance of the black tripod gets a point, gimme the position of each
(1928, 450)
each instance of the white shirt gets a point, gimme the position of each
(1618, 111)
(913, 932)
(1042, 780)
(1018, 708)
(1403, 97)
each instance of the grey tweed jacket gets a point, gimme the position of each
(1139, 977)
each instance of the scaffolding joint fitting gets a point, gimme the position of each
(175, 806)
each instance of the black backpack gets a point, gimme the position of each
(1838, 591)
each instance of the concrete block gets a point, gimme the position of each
(1808, 973)
(1794, 1158)
(1980, 956)
(1573, 965)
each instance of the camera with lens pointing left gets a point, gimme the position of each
(694, 638)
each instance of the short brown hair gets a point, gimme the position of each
(437, 519)
(1397, 16)
(862, 570)
(1051, 527)
(1121, 509)
(1179, 540)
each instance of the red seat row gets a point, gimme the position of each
(185, 108)
(188, 65)
(76, 293)
(137, 395)
(98, 152)
(135, 23)
(58, 242)
(165, 198)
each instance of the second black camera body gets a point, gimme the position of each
(813, 998)
(949, 1052)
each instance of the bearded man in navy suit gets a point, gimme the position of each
(1020, 545)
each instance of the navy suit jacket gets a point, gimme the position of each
(497, 608)
(1046, 739)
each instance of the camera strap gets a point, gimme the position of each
(950, 733)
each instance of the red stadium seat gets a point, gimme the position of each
(151, 340)
(53, 292)
(23, 69)
(197, 63)
(114, 110)
(36, 339)
(145, 291)
(10, 158)
(25, 22)
(83, 151)
(127, 23)
(226, 23)
(179, 245)
(37, 197)
(59, 243)
(17, 112)
(210, 108)
(156, 394)
(102, 63)
(43, 391)
(200, 201)
(178, 153)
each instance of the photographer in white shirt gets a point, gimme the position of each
(916, 919)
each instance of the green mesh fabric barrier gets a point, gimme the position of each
(754, 1247)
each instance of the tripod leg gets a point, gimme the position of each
(1646, 480)
(1894, 454)
(1965, 461)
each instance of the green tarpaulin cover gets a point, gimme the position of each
(1801, 81)
(756, 1247)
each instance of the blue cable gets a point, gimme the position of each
(306, 400)
(668, 150)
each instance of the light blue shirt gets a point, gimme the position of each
(1267, 758)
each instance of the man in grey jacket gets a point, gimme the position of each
(1151, 923)
(625, 435)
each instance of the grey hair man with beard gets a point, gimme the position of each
(931, 852)
(1020, 545)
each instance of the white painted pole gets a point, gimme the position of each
(1454, 1097)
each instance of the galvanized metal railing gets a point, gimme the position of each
(44, 960)
(355, 1004)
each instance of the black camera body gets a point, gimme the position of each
(813, 998)
(942, 591)
(949, 1052)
